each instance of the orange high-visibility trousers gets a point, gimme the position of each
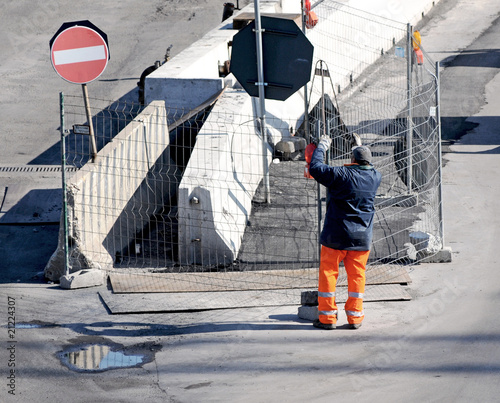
(355, 264)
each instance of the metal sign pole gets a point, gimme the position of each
(93, 147)
(306, 102)
(262, 109)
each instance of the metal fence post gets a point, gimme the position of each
(440, 160)
(63, 176)
(409, 133)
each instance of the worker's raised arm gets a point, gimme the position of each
(320, 171)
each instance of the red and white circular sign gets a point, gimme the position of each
(79, 54)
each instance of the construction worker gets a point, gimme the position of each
(347, 230)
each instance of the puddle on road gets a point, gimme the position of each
(100, 357)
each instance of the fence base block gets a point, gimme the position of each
(308, 312)
(442, 256)
(82, 279)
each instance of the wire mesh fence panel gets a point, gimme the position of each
(176, 200)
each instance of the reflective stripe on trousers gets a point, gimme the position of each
(355, 314)
(355, 263)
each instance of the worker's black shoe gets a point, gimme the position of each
(326, 326)
(354, 325)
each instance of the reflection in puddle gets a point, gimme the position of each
(23, 325)
(27, 326)
(99, 357)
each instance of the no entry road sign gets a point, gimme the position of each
(79, 52)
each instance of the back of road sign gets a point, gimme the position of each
(287, 58)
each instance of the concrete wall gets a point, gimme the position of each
(113, 198)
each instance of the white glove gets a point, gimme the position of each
(356, 140)
(324, 143)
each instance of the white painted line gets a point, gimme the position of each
(79, 55)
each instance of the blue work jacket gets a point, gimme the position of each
(350, 207)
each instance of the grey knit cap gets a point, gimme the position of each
(362, 153)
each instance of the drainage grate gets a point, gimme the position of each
(36, 168)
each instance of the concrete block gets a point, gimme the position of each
(428, 248)
(308, 312)
(82, 279)
(309, 298)
(291, 145)
(425, 242)
(442, 256)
